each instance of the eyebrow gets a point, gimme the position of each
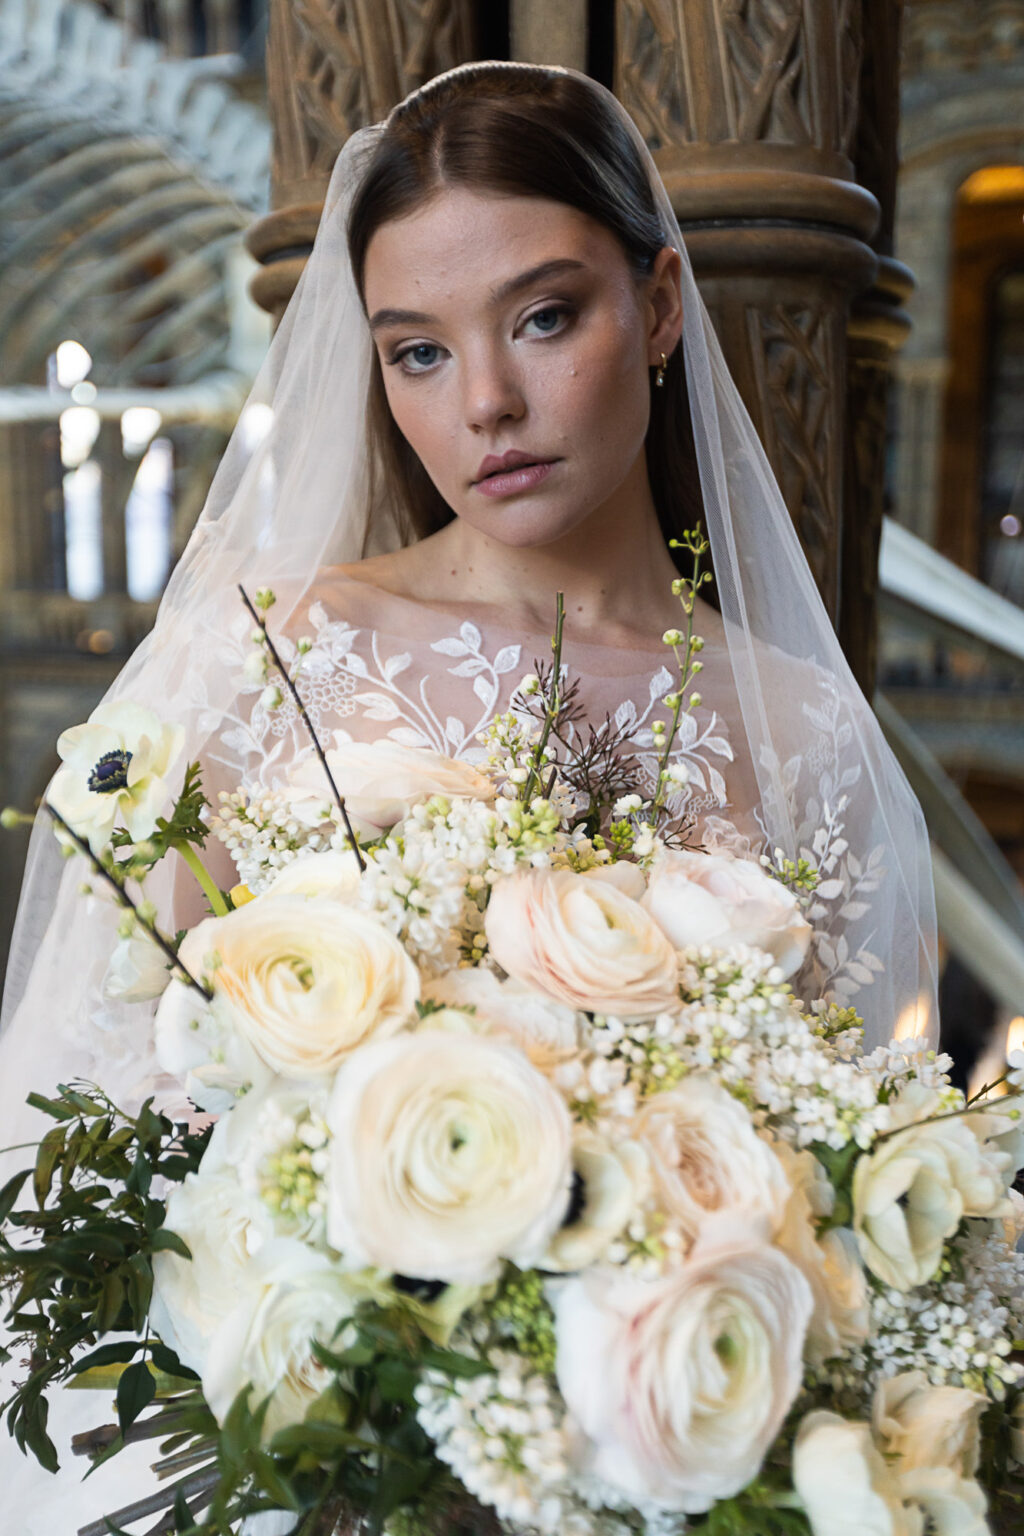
(506, 290)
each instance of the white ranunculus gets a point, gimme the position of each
(582, 942)
(381, 781)
(831, 1263)
(289, 1297)
(199, 1044)
(547, 1031)
(449, 1152)
(284, 1119)
(719, 900)
(330, 874)
(928, 1426)
(138, 970)
(911, 1192)
(224, 1227)
(679, 1385)
(609, 1184)
(115, 768)
(707, 1158)
(845, 1485)
(305, 980)
(628, 878)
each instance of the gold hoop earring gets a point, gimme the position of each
(659, 377)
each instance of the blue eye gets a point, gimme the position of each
(419, 357)
(548, 320)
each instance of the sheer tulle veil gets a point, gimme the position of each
(291, 496)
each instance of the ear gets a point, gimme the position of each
(664, 305)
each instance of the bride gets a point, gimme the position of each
(496, 381)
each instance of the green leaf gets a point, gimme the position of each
(135, 1391)
(107, 1354)
(55, 1108)
(50, 1149)
(272, 1480)
(167, 1361)
(396, 1380)
(452, 1363)
(166, 1241)
(361, 1353)
(10, 1192)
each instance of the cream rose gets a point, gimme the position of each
(582, 942)
(305, 980)
(381, 781)
(449, 1152)
(707, 1158)
(548, 1032)
(289, 1298)
(831, 1264)
(911, 1192)
(719, 900)
(928, 1426)
(844, 1483)
(224, 1227)
(912, 1467)
(680, 1385)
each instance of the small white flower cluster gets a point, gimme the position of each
(429, 884)
(504, 1437)
(740, 1020)
(911, 1060)
(262, 833)
(958, 1329)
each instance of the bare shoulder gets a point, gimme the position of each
(399, 573)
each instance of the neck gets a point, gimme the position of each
(614, 568)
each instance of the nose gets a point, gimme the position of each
(493, 392)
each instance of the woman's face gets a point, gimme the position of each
(514, 326)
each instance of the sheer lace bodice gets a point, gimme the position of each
(383, 666)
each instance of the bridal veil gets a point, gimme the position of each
(291, 496)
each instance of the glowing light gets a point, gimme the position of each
(913, 1020)
(1010, 525)
(1015, 1036)
(73, 363)
(83, 531)
(255, 422)
(139, 425)
(79, 429)
(994, 183)
(84, 393)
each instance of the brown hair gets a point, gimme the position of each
(533, 132)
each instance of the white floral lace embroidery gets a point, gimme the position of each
(360, 684)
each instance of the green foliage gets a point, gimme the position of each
(79, 1264)
(766, 1508)
(185, 827)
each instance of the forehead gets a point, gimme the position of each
(465, 242)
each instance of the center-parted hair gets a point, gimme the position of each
(527, 131)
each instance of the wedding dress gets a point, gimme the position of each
(783, 753)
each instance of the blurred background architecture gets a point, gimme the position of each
(850, 177)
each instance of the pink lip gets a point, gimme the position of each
(514, 480)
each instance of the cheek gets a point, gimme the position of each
(606, 388)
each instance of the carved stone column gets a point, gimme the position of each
(750, 109)
(332, 67)
(878, 329)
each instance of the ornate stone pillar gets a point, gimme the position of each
(542, 33)
(332, 67)
(750, 109)
(877, 331)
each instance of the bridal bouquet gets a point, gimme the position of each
(522, 1191)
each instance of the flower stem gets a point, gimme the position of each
(124, 900)
(217, 903)
(552, 704)
(307, 722)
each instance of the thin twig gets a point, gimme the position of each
(125, 900)
(307, 722)
(553, 703)
(198, 1482)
